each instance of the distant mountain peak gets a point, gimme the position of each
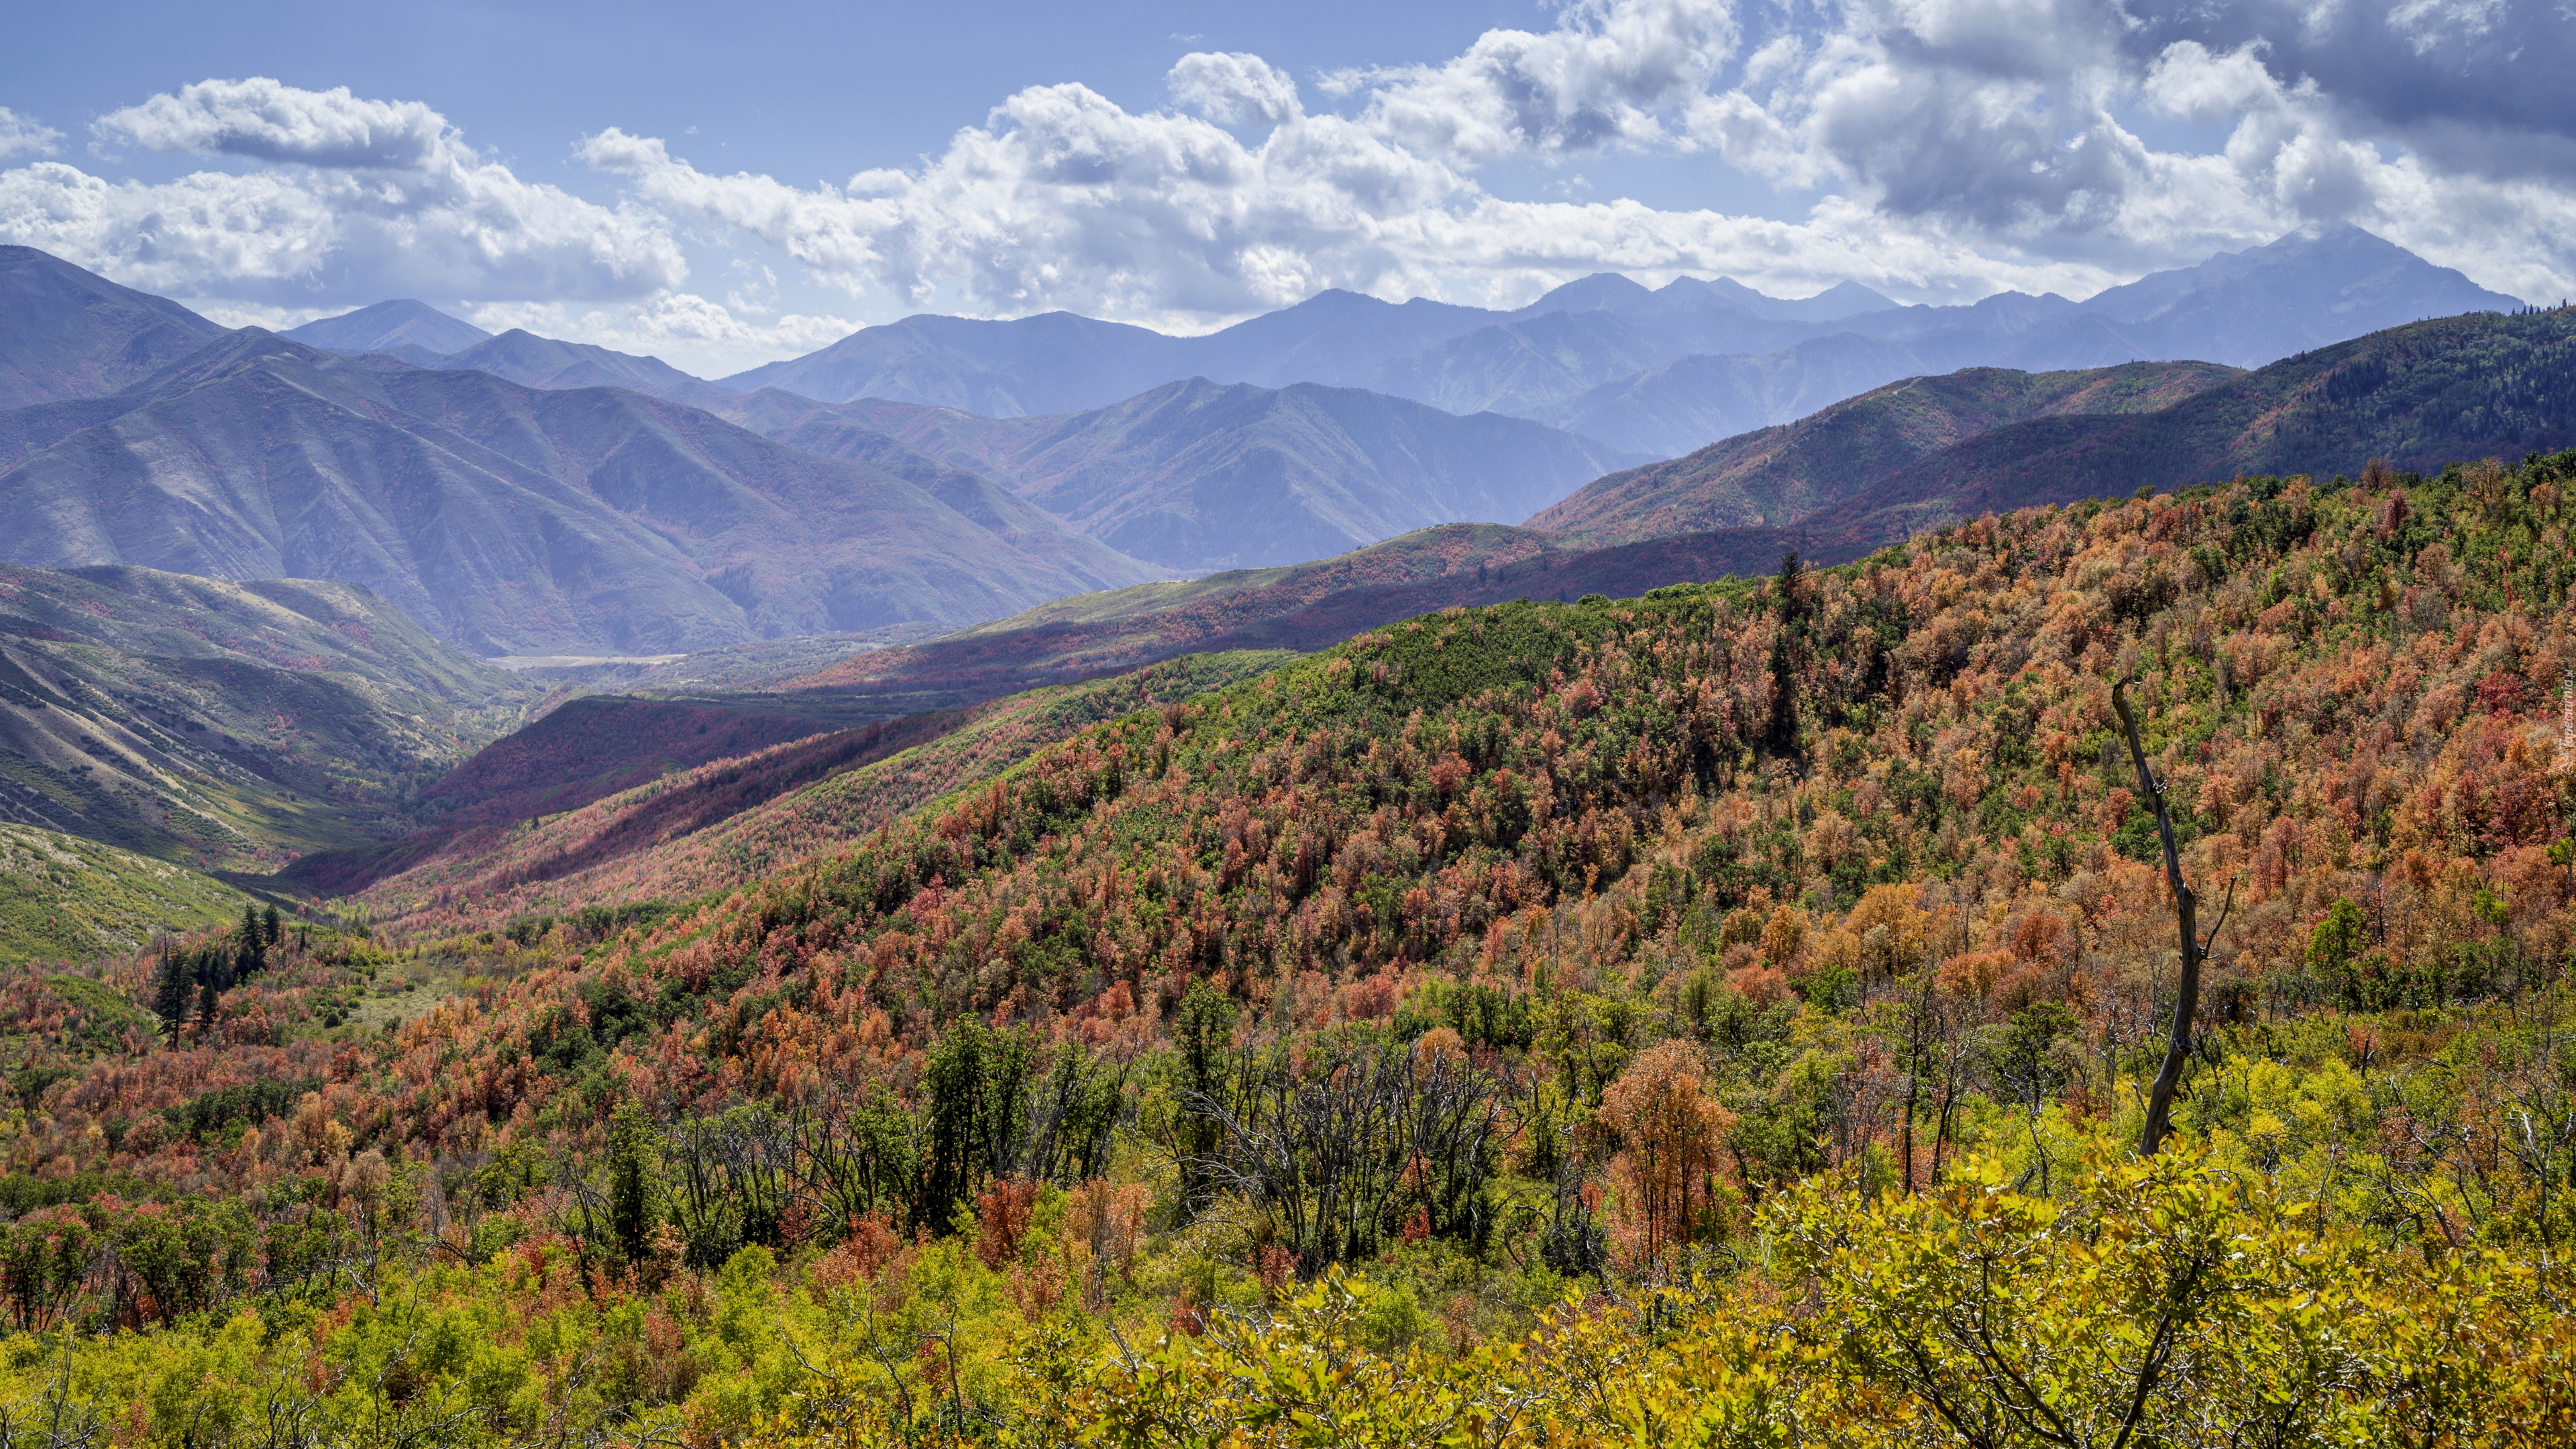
(384, 326)
(1602, 291)
(2333, 273)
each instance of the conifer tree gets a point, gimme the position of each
(173, 990)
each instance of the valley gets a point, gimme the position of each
(1385, 873)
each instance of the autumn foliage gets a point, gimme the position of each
(1746, 989)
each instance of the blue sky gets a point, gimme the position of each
(721, 186)
(805, 90)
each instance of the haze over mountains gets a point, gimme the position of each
(1660, 371)
(513, 520)
(524, 495)
(1194, 475)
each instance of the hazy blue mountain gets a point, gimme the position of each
(1200, 475)
(512, 520)
(1674, 407)
(388, 326)
(1052, 362)
(66, 333)
(1843, 299)
(1605, 356)
(422, 336)
(1058, 362)
(1688, 301)
(2241, 309)
(1335, 337)
(2305, 291)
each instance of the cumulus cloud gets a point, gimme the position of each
(2466, 83)
(266, 121)
(1950, 147)
(1605, 75)
(21, 136)
(355, 200)
(1234, 90)
(2015, 120)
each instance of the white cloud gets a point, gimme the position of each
(1234, 90)
(21, 135)
(1604, 76)
(358, 201)
(1960, 146)
(268, 121)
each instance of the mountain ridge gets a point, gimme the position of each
(67, 334)
(1541, 361)
(387, 326)
(1196, 475)
(517, 520)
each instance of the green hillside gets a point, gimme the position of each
(223, 725)
(63, 898)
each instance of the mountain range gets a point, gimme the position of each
(524, 496)
(1658, 371)
(514, 520)
(1834, 487)
(1195, 475)
(529, 497)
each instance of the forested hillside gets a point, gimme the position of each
(1721, 1016)
(732, 820)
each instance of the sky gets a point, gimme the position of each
(723, 186)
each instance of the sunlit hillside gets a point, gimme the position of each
(1719, 1016)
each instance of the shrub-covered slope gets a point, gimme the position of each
(1388, 1039)
(736, 820)
(63, 898)
(227, 725)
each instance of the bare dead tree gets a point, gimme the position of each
(1331, 1154)
(2195, 949)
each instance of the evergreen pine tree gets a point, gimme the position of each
(172, 989)
(635, 1195)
